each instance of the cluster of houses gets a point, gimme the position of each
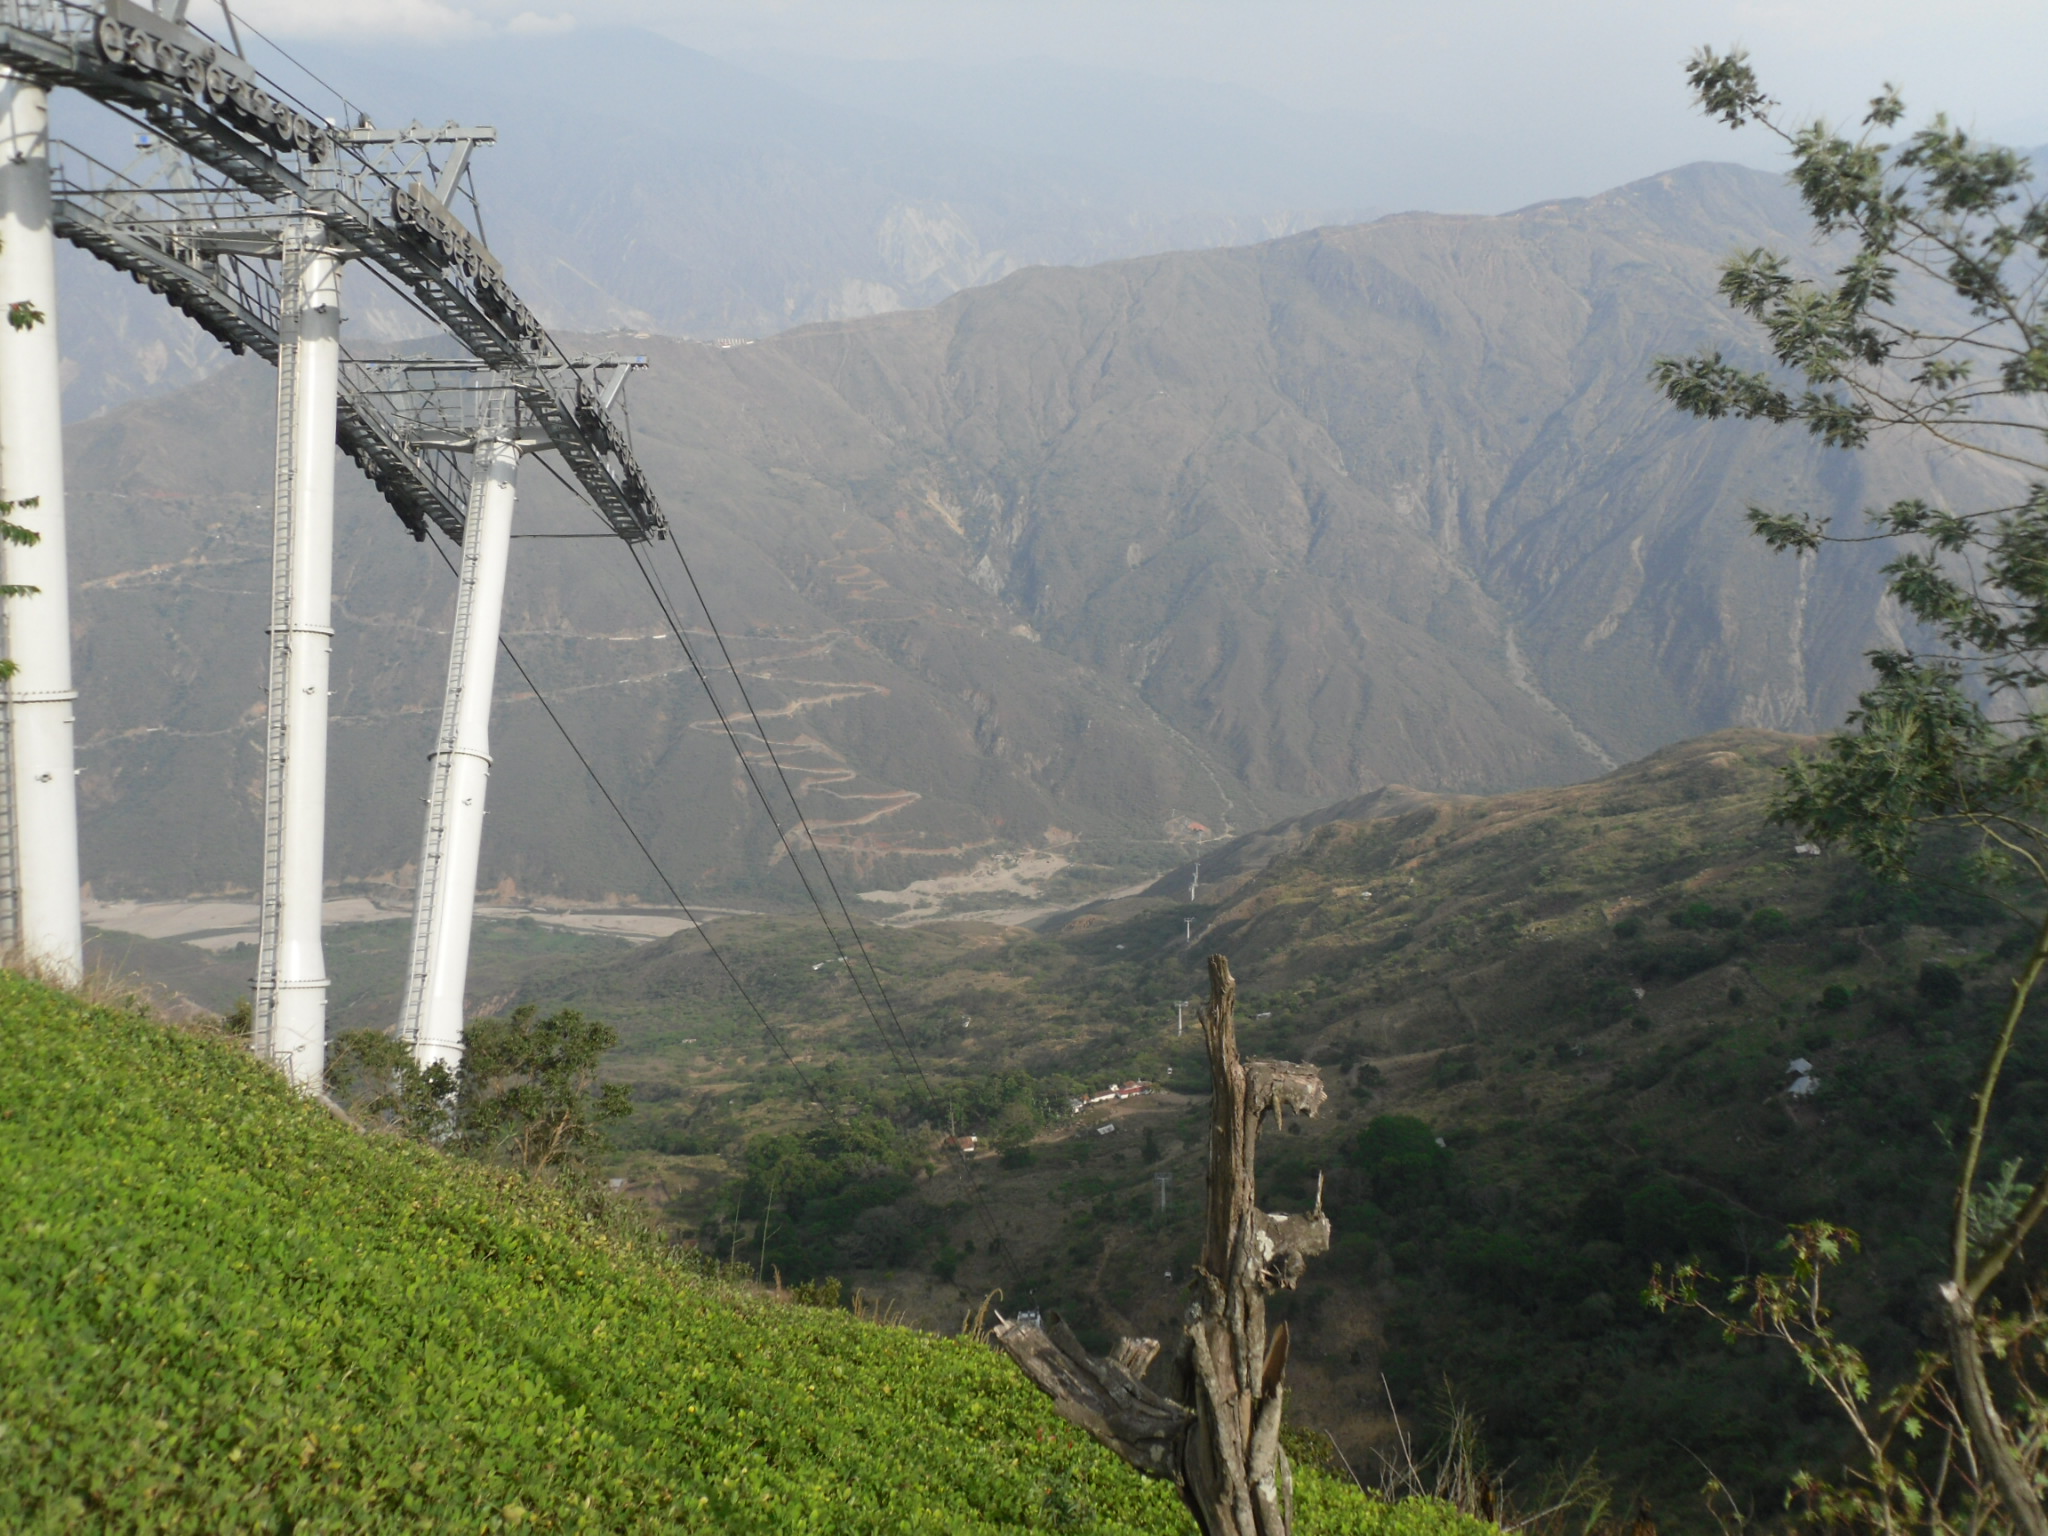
(1115, 1093)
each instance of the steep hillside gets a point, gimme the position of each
(1090, 562)
(221, 1309)
(1557, 1026)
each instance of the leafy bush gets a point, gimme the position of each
(1939, 984)
(1498, 1265)
(1660, 1219)
(1453, 1067)
(1402, 1158)
(1680, 958)
(1704, 914)
(221, 1308)
(1770, 923)
(529, 1085)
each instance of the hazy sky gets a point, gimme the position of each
(1589, 88)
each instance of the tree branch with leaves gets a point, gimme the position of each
(1933, 323)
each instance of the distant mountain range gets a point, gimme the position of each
(642, 184)
(1091, 561)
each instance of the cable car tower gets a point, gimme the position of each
(244, 210)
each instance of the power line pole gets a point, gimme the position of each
(1195, 884)
(1180, 1017)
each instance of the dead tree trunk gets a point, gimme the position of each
(1219, 1441)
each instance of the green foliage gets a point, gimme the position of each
(1951, 736)
(1661, 1219)
(1939, 984)
(12, 532)
(816, 1293)
(528, 1086)
(822, 1190)
(1935, 211)
(1402, 1158)
(1911, 1474)
(1704, 914)
(1769, 923)
(222, 1309)
(373, 1075)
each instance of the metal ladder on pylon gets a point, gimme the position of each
(434, 845)
(264, 982)
(10, 886)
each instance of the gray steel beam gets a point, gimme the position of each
(213, 105)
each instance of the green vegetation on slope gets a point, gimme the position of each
(1472, 964)
(222, 1309)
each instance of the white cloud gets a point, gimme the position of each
(396, 20)
(532, 23)
(1585, 86)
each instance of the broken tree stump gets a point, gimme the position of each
(1218, 1439)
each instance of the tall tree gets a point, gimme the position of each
(1952, 732)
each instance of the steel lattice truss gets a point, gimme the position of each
(234, 158)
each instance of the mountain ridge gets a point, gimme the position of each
(1083, 560)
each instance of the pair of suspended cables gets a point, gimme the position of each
(703, 932)
(874, 995)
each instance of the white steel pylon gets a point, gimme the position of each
(291, 966)
(438, 971)
(42, 789)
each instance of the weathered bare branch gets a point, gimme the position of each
(1100, 1396)
(1222, 1450)
(1135, 1356)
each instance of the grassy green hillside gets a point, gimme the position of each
(1591, 996)
(223, 1309)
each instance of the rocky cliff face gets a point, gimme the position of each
(1088, 559)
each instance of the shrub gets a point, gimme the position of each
(1661, 1219)
(1939, 984)
(528, 1085)
(1770, 923)
(816, 1293)
(1704, 914)
(1454, 1067)
(1500, 1266)
(1402, 1158)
